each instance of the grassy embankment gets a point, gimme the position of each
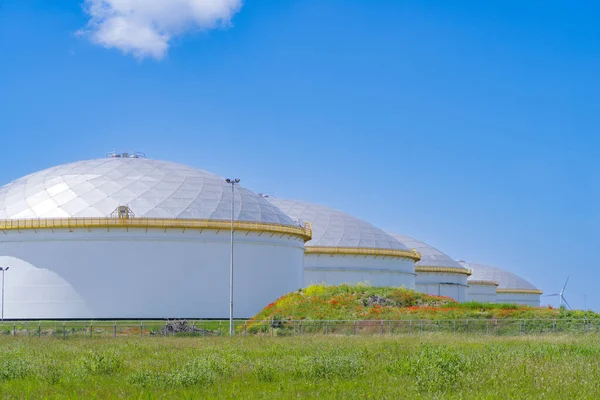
(425, 366)
(362, 302)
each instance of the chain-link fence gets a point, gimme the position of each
(200, 328)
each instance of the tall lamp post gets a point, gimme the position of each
(3, 269)
(232, 182)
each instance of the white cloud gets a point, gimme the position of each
(144, 28)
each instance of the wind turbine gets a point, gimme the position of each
(561, 296)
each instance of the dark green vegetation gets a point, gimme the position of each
(378, 367)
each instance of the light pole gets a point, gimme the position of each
(232, 182)
(3, 269)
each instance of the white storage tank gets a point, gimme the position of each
(510, 288)
(130, 237)
(437, 273)
(346, 249)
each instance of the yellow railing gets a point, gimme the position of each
(443, 270)
(363, 251)
(519, 291)
(480, 282)
(305, 232)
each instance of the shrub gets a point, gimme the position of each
(330, 366)
(14, 366)
(96, 363)
(265, 372)
(197, 372)
(439, 368)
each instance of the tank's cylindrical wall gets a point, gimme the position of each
(376, 271)
(442, 284)
(527, 299)
(482, 293)
(153, 274)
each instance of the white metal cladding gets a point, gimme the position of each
(430, 256)
(375, 271)
(151, 188)
(481, 293)
(528, 299)
(454, 291)
(442, 284)
(333, 228)
(436, 283)
(505, 279)
(120, 273)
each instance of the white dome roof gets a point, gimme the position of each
(430, 256)
(506, 280)
(333, 228)
(150, 188)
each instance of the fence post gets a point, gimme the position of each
(421, 326)
(410, 328)
(355, 327)
(115, 329)
(326, 327)
(382, 328)
(487, 327)
(245, 328)
(467, 326)
(39, 330)
(193, 328)
(64, 331)
(520, 327)
(27, 328)
(14, 329)
(390, 329)
(141, 328)
(454, 326)
(91, 329)
(300, 328)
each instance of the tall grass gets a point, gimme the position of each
(381, 367)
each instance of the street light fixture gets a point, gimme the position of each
(232, 182)
(3, 269)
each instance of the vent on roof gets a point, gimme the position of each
(122, 212)
(135, 154)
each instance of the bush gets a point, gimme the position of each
(439, 368)
(265, 372)
(96, 363)
(330, 366)
(197, 372)
(14, 366)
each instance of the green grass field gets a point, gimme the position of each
(377, 367)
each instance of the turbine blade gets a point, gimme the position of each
(550, 295)
(567, 303)
(565, 286)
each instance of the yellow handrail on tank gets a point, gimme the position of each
(304, 232)
(482, 282)
(519, 291)
(363, 251)
(443, 270)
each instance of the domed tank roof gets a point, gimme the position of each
(150, 188)
(506, 280)
(430, 256)
(333, 228)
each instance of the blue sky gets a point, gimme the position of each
(473, 126)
